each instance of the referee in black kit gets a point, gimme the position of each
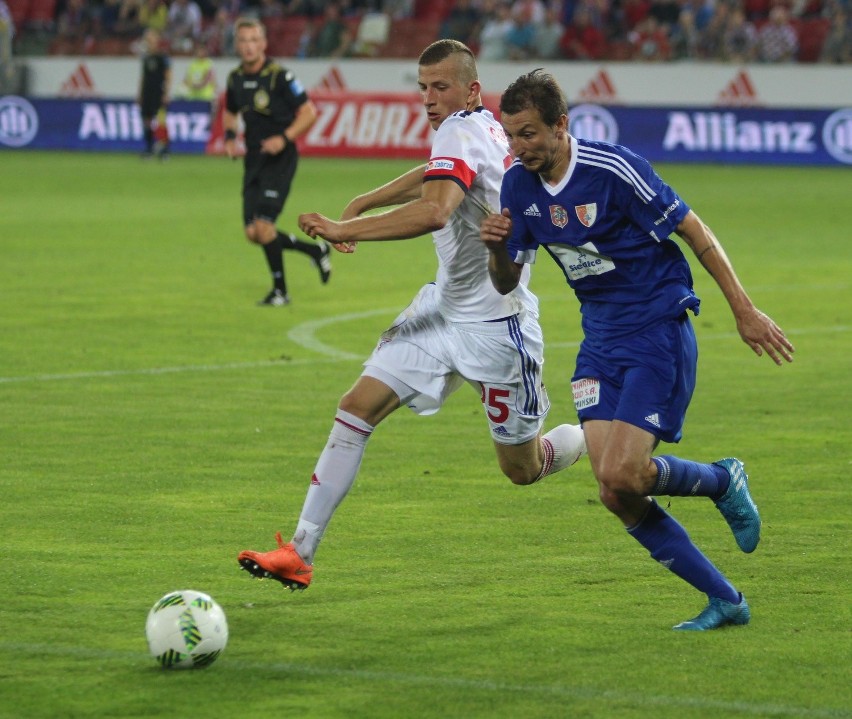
(153, 95)
(276, 111)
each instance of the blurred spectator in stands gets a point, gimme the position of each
(154, 15)
(740, 38)
(627, 15)
(649, 41)
(462, 23)
(199, 80)
(806, 8)
(307, 8)
(107, 18)
(757, 10)
(76, 22)
(837, 47)
(684, 36)
(398, 8)
(566, 10)
(704, 11)
(333, 37)
(533, 11)
(184, 26)
(7, 35)
(548, 35)
(269, 9)
(307, 38)
(219, 36)
(581, 39)
(711, 41)
(666, 13)
(128, 22)
(495, 27)
(777, 40)
(521, 36)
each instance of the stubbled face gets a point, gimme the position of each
(152, 41)
(251, 45)
(442, 92)
(536, 144)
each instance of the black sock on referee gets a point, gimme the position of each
(275, 260)
(289, 242)
(148, 133)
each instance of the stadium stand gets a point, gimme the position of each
(41, 14)
(432, 9)
(19, 10)
(811, 33)
(408, 37)
(376, 35)
(284, 34)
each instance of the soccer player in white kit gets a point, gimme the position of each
(457, 329)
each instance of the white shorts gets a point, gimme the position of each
(424, 359)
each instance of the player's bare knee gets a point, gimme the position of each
(251, 235)
(520, 475)
(369, 409)
(348, 403)
(620, 478)
(613, 501)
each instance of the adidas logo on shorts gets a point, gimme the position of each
(532, 211)
(653, 419)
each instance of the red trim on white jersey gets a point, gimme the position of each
(450, 168)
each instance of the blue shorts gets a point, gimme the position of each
(646, 380)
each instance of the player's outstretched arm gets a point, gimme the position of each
(757, 329)
(405, 188)
(429, 212)
(494, 231)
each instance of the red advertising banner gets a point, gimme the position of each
(358, 124)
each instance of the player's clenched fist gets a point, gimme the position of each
(496, 228)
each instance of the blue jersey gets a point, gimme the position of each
(606, 224)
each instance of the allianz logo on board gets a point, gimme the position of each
(593, 122)
(121, 121)
(723, 131)
(837, 135)
(18, 121)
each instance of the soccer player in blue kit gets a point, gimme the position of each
(605, 217)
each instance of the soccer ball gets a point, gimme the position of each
(186, 629)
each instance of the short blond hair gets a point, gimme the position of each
(440, 50)
(249, 22)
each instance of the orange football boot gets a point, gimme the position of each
(283, 564)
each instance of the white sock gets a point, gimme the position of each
(333, 476)
(563, 445)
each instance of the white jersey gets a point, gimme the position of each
(470, 148)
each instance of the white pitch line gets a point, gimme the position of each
(154, 371)
(304, 334)
(455, 682)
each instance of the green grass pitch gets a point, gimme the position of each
(154, 422)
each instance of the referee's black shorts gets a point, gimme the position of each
(266, 183)
(150, 105)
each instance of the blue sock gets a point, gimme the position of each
(667, 541)
(682, 478)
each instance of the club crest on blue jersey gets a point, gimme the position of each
(558, 216)
(587, 214)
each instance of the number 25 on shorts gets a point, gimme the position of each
(494, 398)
